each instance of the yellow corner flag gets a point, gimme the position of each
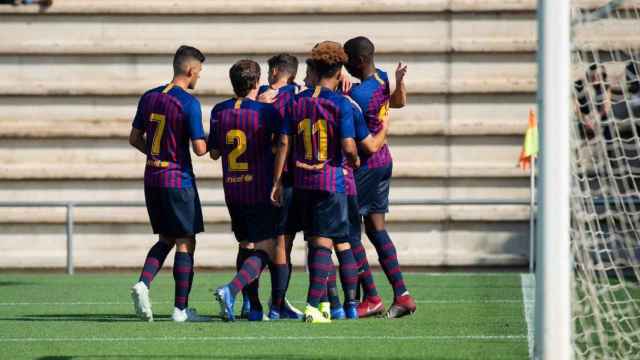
(530, 146)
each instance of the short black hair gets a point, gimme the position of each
(245, 75)
(360, 47)
(328, 57)
(284, 63)
(183, 55)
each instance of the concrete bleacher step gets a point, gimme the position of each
(261, 7)
(417, 32)
(123, 190)
(219, 215)
(110, 117)
(75, 75)
(475, 235)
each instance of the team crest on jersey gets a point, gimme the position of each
(383, 114)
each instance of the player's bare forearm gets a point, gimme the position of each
(399, 95)
(372, 144)
(137, 140)
(351, 152)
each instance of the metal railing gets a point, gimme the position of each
(71, 205)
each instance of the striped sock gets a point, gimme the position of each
(155, 258)
(332, 289)
(182, 268)
(319, 266)
(388, 260)
(249, 271)
(240, 258)
(364, 272)
(191, 275)
(279, 276)
(348, 274)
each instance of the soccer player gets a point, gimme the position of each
(322, 135)
(343, 247)
(280, 92)
(242, 132)
(168, 118)
(373, 178)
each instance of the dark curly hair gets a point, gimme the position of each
(328, 57)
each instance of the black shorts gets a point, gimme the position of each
(174, 212)
(253, 223)
(355, 222)
(373, 189)
(284, 225)
(320, 213)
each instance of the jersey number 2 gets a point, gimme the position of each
(309, 129)
(157, 136)
(239, 138)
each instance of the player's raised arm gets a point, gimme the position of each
(399, 95)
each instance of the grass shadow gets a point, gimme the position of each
(89, 318)
(14, 283)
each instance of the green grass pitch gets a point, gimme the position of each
(87, 316)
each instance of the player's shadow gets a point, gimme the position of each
(15, 283)
(89, 317)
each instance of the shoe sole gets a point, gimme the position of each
(404, 313)
(223, 306)
(138, 308)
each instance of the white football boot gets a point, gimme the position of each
(141, 301)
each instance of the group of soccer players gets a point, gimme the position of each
(311, 159)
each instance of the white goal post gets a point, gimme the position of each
(553, 271)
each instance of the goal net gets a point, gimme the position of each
(605, 188)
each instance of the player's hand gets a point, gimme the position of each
(401, 71)
(345, 82)
(276, 195)
(268, 97)
(356, 164)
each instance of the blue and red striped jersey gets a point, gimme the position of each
(284, 104)
(361, 133)
(242, 130)
(373, 96)
(170, 118)
(321, 119)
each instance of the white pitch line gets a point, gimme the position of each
(273, 338)
(528, 282)
(487, 301)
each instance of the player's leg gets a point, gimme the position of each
(183, 277)
(254, 228)
(348, 278)
(155, 199)
(371, 304)
(183, 216)
(333, 309)
(152, 265)
(326, 222)
(320, 264)
(155, 259)
(251, 268)
(279, 275)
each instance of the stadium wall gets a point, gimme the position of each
(71, 75)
